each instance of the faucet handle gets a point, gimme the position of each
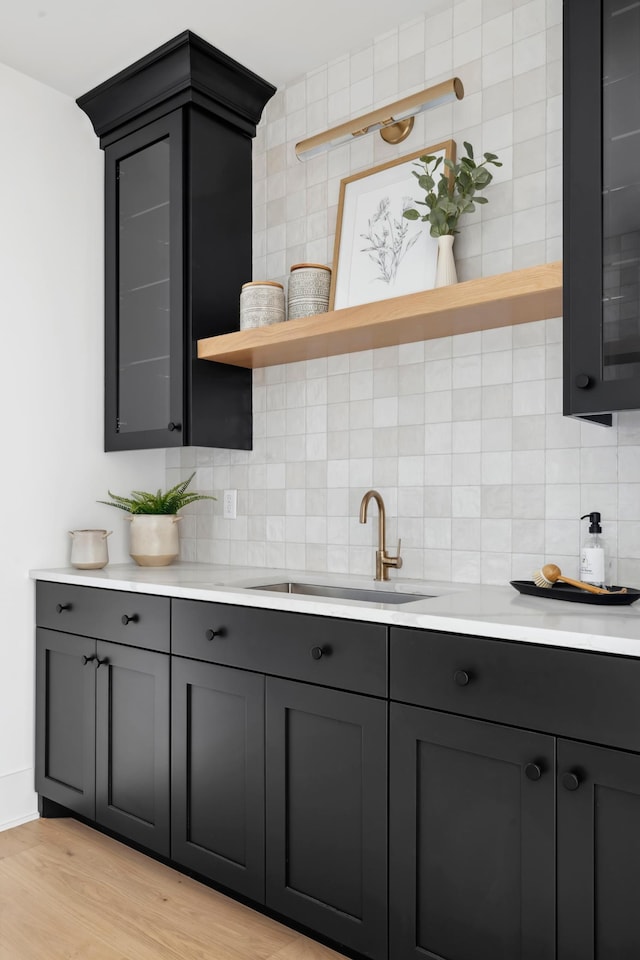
(398, 557)
(397, 560)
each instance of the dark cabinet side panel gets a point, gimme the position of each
(598, 853)
(132, 744)
(471, 840)
(218, 774)
(326, 812)
(65, 720)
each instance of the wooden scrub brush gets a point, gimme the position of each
(550, 573)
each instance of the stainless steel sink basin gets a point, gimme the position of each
(342, 593)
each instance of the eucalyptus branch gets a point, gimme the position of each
(453, 192)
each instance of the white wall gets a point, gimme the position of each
(51, 354)
(464, 436)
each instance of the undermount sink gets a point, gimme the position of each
(342, 593)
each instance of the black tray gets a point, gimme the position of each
(563, 591)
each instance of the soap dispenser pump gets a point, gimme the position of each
(592, 562)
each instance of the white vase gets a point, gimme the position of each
(153, 539)
(446, 265)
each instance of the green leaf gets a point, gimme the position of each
(468, 148)
(410, 214)
(143, 502)
(480, 200)
(426, 182)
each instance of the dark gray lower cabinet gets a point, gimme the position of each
(217, 778)
(132, 744)
(502, 843)
(598, 853)
(66, 720)
(103, 734)
(471, 839)
(326, 812)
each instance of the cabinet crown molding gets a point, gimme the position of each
(184, 70)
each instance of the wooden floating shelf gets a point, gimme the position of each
(521, 296)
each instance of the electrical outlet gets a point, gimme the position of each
(230, 504)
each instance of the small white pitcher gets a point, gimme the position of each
(89, 549)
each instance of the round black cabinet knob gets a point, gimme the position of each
(62, 606)
(126, 619)
(86, 659)
(570, 781)
(462, 678)
(532, 771)
(210, 634)
(317, 652)
(583, 381)
(174, 426)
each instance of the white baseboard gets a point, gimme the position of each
(18, 799)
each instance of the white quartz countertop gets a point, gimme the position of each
(486, 611)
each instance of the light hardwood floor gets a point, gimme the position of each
(69, 893)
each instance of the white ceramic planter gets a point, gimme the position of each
(446, 264)
(153, 539)
(89, 549)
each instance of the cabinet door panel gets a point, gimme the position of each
(326, 812)
(601, 206)
(144, 287)
(471, 840)
(65, 720)
(598, 853)
(132, 744)
(218, 774)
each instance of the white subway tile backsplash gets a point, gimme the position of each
(482, 475)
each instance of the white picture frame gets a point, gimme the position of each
(378, 253)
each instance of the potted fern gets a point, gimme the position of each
(154, 540)
(447, 197)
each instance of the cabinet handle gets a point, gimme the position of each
(210, 634)
(62, 606)
(583, 381)
(570, 780)
(174, 426)
(533, 771)
(318, 652)
(87, 660)
(126, 619)
(99, 662)
(462, 678)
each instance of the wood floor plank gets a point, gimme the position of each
(306, 949)
(68, 892)
(156, 890)
(20, 838)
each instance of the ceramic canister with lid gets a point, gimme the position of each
(261, 302)
(309, 285)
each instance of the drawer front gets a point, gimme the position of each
(96, 612)
(333, 653)
(586, 696)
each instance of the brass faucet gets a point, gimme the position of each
(383, 560)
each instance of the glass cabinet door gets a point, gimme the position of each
(601, 145)
(144, 249)
(621, 189)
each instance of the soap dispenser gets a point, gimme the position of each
(592, 561)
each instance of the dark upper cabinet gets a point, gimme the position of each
(176, 128)
(601, 207)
